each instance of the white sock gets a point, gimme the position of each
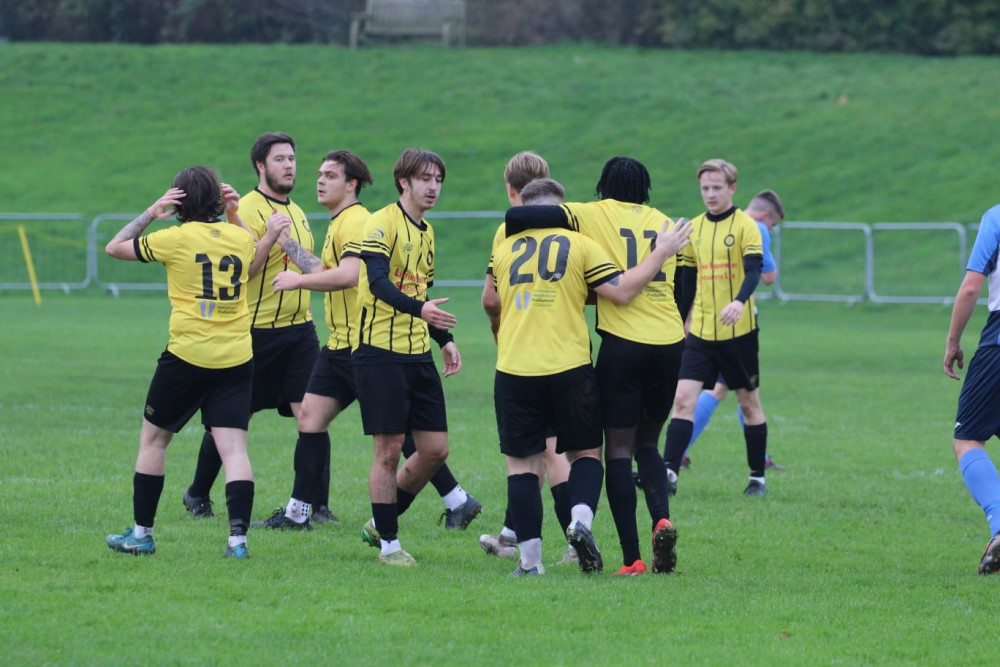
(583, 514)
(531, 553)
(142, 531)
(508, 533)
(297, 511)
(757, 479)
(671, 476)
(455, 498)
(236, 540)
(390, 547)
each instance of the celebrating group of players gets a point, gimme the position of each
(674, 310)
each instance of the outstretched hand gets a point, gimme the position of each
(434, 316)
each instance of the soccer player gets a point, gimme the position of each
(521, 169)
(978, 415)
(718, 274)
(285, 345)
(544, 375)
(342, 175)
(767, 211)
(208, 362)
(395, 376)
(638, 361)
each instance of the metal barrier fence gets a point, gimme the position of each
(820, 261)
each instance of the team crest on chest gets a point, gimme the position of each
(730, 240)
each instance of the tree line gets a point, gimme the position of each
(925, 27)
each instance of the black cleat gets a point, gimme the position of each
(200, 508)
(322, 514)
(581, 539)
(460, 517)
(990, 562)
(664, 547)
(755, 489)
(279, 521)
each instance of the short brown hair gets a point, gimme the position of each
(411, 162)
(717, 165)
(354, 168)
(262, 146)
(523, 168)
(542, 188)
(768, 200)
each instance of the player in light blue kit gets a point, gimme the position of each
(978, 417)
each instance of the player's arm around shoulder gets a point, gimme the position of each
(670, 240)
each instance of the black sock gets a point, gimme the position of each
(209, 465)
(403, 501)
(756, 439)
(678, 438)
(386, 520)
(239, 503)
(622, 500)
(560, 498)
(524, 500)
(654, 474)
(146, 491)
(508, 520)
(586, 477)
(311, 451)
(443, 481)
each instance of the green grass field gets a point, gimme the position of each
(863, 552)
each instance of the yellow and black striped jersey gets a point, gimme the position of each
(408, 245)
(343, 238)
(207, 265)
(542, 277)
(717, 250)
(270, 309)
(626, 232)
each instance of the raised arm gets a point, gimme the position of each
(122, 246)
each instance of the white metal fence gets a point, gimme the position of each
(819, 261)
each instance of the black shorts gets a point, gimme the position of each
(283, 362)
(736, 361)
(400, 397)
(527, 406)
(637, 380)
(333, 377)
(179, 389)
(978, 416)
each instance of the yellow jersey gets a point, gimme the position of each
(343, 239)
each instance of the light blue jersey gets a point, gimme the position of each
(983, 259)
(765, 238)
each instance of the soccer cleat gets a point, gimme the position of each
(278, 521)
(990, 562)
(664, 547)
(399, 558)
(530, 572)
(671, 482)
(498, 545)
(581, 539)
(570, 557)
(200, 507)
(685, 463)
(239, 551)
(633, 570)
(639, 482)
(322, 514)
(755, 489)
(460, 517)
(128, 543)
(771, 465)
(370, 536)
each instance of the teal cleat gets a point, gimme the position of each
(239, 551)
(129, 544)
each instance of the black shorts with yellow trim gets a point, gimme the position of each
(529, 408)
(179, 389)
(284, 360)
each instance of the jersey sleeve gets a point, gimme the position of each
(156, 246)
(599, 268)
(769, 264)
(983, 258)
